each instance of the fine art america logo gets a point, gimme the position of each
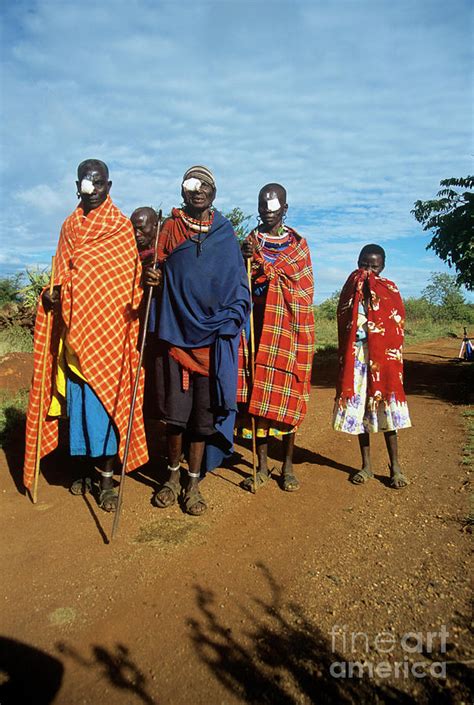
(409, 645)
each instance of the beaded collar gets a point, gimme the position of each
(198, 226)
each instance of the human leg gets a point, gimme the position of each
(365, 473)
(108, 496)
(398, 479)
(289, 481)
(261, 443)
(166, 496)
(194, 502)
(93, 438)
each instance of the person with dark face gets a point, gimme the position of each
(145, 222)
(204, 304)
(370, 395)
(93, 357)
(282, 293)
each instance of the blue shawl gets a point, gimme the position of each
(206, 301)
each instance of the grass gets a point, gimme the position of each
(15, 339)
(12, 413)
(418, 330)
(326, 333)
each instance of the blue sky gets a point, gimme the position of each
(357, 107)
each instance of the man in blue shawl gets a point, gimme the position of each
(204, 303)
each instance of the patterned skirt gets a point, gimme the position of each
(363, 415)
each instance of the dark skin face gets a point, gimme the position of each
(372, 263)
(199, 202)
(144, 221)
(98, 176)
(271, 220)
(89, 201)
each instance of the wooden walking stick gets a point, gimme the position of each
(135, 386)
(43, 381)
(251, 353)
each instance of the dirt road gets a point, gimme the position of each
(265, 599)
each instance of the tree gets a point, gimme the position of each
(451, 217)
(240, 222)
(328, 307)
(9, 289)
(444, 292)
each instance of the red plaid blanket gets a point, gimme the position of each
(99, 271)
(385, 323)
(285, 353)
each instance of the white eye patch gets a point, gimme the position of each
(273, 204)
(87, 186)
(192, 184)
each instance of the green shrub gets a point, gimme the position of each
(328, 308)
(9, 287)
(38, 279)
(15, 339)
(12, 413)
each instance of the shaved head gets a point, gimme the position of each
(272, 206)
(92, 164)
(274, 188)
(146, 211)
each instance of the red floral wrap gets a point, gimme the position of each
(385, 325)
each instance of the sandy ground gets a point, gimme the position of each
(265, 599)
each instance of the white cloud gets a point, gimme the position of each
(41, 197)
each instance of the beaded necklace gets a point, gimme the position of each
(198, 226)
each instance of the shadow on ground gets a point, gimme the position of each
(449, 380)
(27, 675)
(285, 659)
(115, 667)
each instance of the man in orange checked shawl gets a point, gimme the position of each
(93, 357)
(282, 293)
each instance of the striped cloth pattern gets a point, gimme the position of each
(98, 268)
(285, 353)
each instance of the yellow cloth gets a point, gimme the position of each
(66, 358)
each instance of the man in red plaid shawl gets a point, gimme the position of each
(93, 357)
(282, 292)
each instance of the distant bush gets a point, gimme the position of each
(9, 289)
(328, 308)
(15, 338)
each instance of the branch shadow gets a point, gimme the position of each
(116, 666)
(285, 659)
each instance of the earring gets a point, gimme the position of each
(78, 194)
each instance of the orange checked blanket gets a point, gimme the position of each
(285, 351)
(98, 268)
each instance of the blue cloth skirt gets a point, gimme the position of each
(91, 430)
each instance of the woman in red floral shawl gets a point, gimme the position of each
(369, 395)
